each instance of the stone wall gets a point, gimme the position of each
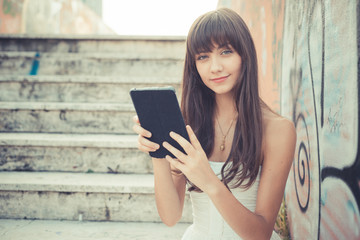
(49, 17)
(315, 46)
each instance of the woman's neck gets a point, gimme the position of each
(225, 107)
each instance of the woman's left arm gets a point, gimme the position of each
(278, 156)
(279, 140)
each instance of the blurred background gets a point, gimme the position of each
(137, 17)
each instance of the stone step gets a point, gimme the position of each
(126, 46)
(99, 153)
(98, 118)
(75, 230)
(80, 196)
(98, 64)
(99, 89)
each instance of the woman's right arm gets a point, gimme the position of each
(170, 184)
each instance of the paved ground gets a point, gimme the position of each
(71, 230)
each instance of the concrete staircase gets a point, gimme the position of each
(67, 150)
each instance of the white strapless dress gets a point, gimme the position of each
(208, 224)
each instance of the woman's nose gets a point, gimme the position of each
(216, 65)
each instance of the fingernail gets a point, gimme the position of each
(171, 134)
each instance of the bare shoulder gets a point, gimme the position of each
(279, 135)
(277, 127)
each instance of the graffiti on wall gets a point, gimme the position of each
(320, 94)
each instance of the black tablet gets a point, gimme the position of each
(159, 112)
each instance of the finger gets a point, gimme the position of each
(173, 168)
(136, 119)
(183, 142)
(177, 153)
(147, 143)
(193, 139)
(141, 131)
(177, 164)
(146, 149)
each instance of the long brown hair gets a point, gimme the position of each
(224, 27)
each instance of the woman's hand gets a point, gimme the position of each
(194, 164)
(144, 144)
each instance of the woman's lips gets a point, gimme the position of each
(220, 79)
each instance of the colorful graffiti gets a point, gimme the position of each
(320, 94)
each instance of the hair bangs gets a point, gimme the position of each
(210, 30)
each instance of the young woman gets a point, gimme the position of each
(240, 152)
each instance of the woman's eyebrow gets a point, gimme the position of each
(203, 52)
(224, 45)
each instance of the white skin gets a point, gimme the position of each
(219, 70)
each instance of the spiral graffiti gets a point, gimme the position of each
(302, 170)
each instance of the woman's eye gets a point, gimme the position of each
(225, 52)
(201, 57)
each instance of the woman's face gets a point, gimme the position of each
(219, 69)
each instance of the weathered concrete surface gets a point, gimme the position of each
(64, 118)
(75, 230)
(69, 196)
(90, 89)
(77, 182)
(124, 46)
(67, 118)
(74, 159)
(72, 153)
(74, 205)
(21, 63)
